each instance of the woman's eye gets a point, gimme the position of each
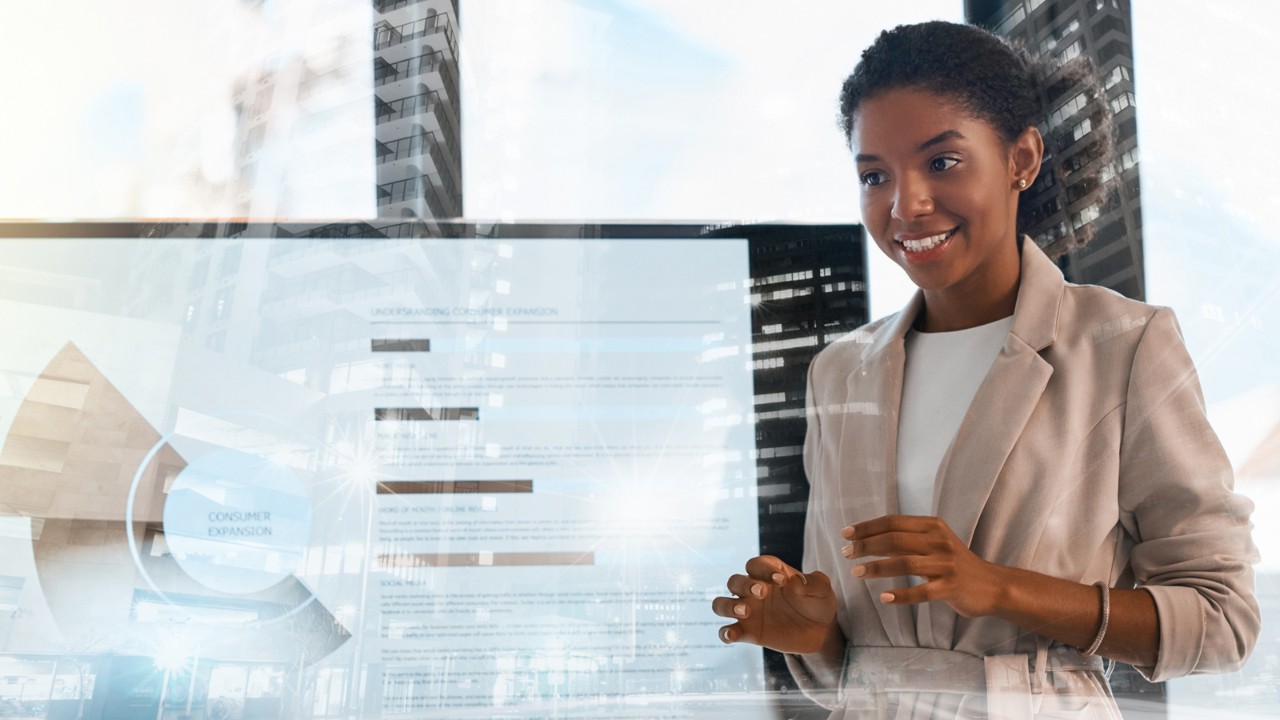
(939, 164)
(871, 178)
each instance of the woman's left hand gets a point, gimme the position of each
(925, 547)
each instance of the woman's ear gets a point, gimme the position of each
(1025, 155)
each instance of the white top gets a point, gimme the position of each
(942, 374)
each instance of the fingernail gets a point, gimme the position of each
(847, 551)
(740, 610)
(859, 571)
(886, 597)
(725, 635)
(779, 579)
(757, 590)
(847, 532)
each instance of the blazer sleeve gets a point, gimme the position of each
(1193, 551)
(816, 675)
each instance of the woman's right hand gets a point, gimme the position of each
(779, 607)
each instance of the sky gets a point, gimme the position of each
(1209, 190)
(127, 109)
(669, 110)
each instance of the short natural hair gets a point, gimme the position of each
(991, 78)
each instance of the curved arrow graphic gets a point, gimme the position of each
(75, 447)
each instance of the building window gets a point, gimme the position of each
(222, 304)
(1085, 216)
(1127, 129)
(1074, 163)
(1081, 189)
(1067, 109)
(1118, 73)
(1053, 233)
(1113, 49)
(1107, 24)
(1129, 159)
(1121, 101)
(1075, 132)
(1057, 34)
(1082, 128)
(1068, 53)
(1009, 23)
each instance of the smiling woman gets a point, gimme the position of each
(1013, 477)
(939, 193)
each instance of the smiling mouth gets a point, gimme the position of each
(928, 243)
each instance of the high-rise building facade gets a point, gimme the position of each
(415, 75)
(1063, 197)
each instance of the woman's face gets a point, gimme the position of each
(939, 191)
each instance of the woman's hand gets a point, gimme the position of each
(1058, 609)
(925, 547)
(779, 607)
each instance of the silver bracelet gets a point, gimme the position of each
(1106, 617)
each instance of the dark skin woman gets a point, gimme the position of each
(928, 167)
(942, 121)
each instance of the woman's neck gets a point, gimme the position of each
(967, 307)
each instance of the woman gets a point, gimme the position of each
(1013, 477)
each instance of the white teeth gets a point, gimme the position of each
(927, 243)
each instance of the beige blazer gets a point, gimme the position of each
(1085, 455)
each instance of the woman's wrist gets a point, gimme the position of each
(1071, 613)
(833, 644)
(1000, 590)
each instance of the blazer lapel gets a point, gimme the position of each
(882, 374)
(996, 416)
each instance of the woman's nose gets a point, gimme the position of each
(912, 199)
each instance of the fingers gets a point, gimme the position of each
(743, 586)
(763, 574)
(893, 523)
(730, 607)
(917, 565)
(770, 569)
(910, 595)
(892, 544)
(730, 634)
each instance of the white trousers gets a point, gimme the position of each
(925, 683)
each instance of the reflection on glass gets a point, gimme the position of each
(378, 477)
(1211, 255)
(217, 109)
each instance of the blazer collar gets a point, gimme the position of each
(1035, 317)
(970, 467)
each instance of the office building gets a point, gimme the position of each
(417, 110)
(1063, 197)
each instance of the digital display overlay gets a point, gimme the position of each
(248, 478)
